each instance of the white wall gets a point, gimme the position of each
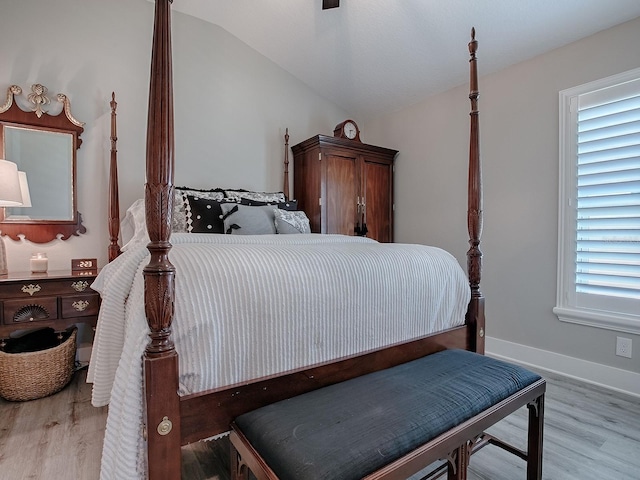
(519, 145)
(232, 105)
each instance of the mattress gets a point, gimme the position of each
(249, 306)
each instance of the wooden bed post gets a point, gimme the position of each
(114, 202)
(475, 313)
(285, 184)
(162, 403)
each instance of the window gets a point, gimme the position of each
(599, 211)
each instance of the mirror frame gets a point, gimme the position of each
(42, 231)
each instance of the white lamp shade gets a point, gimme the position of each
(24, 189)
(10, 194)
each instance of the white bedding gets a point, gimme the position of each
(249, 306)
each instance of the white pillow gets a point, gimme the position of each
(134, 225)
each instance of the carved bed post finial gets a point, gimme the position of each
(285, 187)
(475, 314)
(114, 202)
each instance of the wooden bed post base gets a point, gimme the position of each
(475, 321)
(162, 417)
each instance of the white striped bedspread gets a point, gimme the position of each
(249, 306)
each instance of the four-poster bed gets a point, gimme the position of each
(171, 419)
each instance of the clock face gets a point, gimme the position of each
(350, 130)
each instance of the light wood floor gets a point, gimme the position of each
(590, 434)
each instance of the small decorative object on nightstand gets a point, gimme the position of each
(39, 263)
(84, 266)
(57, 299)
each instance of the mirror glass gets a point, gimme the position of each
(47, 159)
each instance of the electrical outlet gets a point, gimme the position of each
(623, 347)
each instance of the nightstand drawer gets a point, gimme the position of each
(30, 310)
(80, 305)
(46, 287)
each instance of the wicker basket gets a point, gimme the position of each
(27, 376)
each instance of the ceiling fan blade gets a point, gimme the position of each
(330, 4)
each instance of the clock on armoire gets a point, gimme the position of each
(345, 186)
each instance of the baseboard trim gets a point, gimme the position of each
(612, 378)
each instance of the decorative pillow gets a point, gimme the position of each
(213, 193)
(204, 215)
(291, 221)
(246, 220)
(289, 205)
(180, 204)
(238, 195)
(134, 225)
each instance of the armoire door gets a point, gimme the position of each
(378, 200)
(341, 184)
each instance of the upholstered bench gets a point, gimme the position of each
(391, 423)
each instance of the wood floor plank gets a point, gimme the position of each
(590, 434)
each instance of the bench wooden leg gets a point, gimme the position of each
(239, 470)
(534, 448)
(458, 462)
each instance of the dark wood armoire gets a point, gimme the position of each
(345, 186)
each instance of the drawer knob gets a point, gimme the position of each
(31, 288)
(80, 305)
(80, 285)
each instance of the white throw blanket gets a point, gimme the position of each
(249, 306)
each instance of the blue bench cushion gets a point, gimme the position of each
(350, 429)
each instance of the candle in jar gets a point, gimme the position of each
(39, 262)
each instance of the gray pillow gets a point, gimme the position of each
(291, 221)
(246, 220)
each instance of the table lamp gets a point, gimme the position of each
(11, 195)
(24, 189)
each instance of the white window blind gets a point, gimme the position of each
(599, 254)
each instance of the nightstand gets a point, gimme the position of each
(57, 299)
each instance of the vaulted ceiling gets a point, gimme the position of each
(372, 56)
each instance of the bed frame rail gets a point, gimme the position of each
(225, 404)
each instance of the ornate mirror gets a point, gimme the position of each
(43, 142)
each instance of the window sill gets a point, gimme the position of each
(593, 318)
